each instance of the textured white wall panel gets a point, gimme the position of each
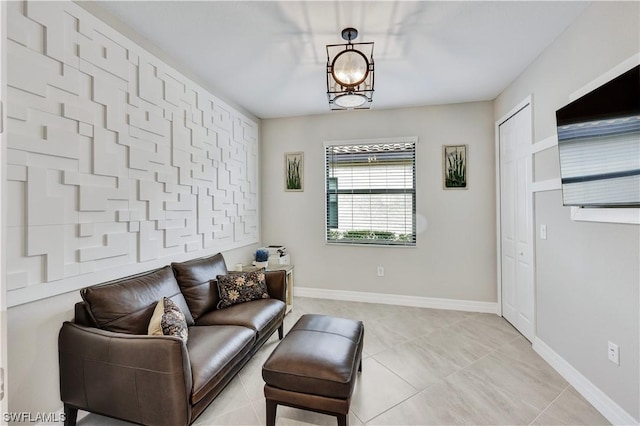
(117, 163)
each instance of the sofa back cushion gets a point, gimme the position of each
(126, 305)
(197, 280)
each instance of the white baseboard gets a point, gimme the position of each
(605, 405)
(397, 299)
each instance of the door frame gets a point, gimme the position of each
(528, 101)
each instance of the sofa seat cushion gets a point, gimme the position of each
(259, 315)
(213, 352)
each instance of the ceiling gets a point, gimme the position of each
(270, 57)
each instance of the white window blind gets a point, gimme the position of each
(600, 161)
(370, 193)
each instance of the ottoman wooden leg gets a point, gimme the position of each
(343, 420)
(272, 407)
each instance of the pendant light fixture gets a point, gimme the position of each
(350, 73)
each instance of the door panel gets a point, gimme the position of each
(516, 228)
(509, 258)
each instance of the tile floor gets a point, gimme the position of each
(420, 367)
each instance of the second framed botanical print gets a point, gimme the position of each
(454, 166)
(293, 171)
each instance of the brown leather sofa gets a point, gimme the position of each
(110, 366)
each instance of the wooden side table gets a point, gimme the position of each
(288, 280)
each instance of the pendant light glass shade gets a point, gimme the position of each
(350, 100)
(350, 68)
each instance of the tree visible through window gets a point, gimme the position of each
(371, 192)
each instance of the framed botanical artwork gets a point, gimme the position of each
(294, 171)
(454, 166)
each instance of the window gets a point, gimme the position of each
(371, 192)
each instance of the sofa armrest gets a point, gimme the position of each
(276, 284)
(143, 379)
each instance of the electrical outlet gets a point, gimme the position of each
(381, 271)
(614, 353)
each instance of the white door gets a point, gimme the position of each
(516, 225)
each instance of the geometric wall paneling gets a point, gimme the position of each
(116, 162)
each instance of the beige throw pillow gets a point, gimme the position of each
(168, 320)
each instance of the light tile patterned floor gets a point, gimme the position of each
(420, 367)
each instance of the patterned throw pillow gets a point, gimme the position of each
(243, 287)
(168, 320)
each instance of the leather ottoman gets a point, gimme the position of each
(314, 367)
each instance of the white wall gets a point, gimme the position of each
(116, 163)
(455, 253)
(588, 274)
